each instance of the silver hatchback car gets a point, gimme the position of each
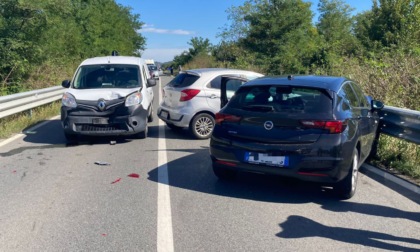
(192, 99)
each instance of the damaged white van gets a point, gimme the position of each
(108, 96)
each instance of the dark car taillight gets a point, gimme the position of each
(188, 94)
(334, 127)
(226, 118)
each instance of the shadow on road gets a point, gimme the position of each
(301, 227)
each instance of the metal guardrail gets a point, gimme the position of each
(16, 103)
(400, 123)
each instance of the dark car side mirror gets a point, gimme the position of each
(151, 82)
(376, 105)
(65, 83)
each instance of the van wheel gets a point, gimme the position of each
(150, 117)
(143, 134)
(202, 126)
(347, 187)
(71, 138)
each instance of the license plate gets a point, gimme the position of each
(100, 120)
(267, 159)
(164, 114)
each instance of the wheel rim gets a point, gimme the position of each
(355, 173)
(204, 126)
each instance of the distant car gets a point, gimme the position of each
(192, 99)
(154, 72)
(108, 96)
(312, 128)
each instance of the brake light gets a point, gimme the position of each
(188, 94)
(226, 118)
(334, 127)
(226, 163)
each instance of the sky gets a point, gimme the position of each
(170, 24)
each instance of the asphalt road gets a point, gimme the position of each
(53, 197)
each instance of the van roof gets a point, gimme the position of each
(129, 60)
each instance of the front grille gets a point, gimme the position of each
(115, 128)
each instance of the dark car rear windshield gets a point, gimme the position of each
(183, 80)
(107, 76)
(282, 99)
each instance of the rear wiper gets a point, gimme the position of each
(261, 108)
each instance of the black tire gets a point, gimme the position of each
(150, 117)
(202, 126)
(346, 188)
(223, 173)
(143, 134)
(71, 138)
(173, 127)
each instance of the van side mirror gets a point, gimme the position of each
(65, 83)
(151, 82)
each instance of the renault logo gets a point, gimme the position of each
(101, 105)
(268, 125)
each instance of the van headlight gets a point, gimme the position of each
(68, 100)
(133, 99)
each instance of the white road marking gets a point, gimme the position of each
(165, 240)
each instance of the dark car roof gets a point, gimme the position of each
(332, 83)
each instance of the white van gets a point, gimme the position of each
(108, 96)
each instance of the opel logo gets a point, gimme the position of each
(101, 105)
(268, 125)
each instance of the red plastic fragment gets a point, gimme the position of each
(117, 180)
(103, 234)
(134, 175)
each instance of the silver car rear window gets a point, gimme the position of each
(183, 80)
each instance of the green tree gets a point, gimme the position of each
(335, 27)
(21, 28)
(391, 23)
(281, 35)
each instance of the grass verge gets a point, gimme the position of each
(16, 123)
(399, 157)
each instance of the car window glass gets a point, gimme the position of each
(363, 102)
(144, 75)
(107, 76)
(349, 95)
(233, 84)
(283, 99)
(183, 80)
(342, 102)
(215, 83)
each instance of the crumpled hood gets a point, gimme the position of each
(105, 93)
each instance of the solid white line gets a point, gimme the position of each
(165, 240)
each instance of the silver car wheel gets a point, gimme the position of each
(202, 126)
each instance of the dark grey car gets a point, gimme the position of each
(313, 128)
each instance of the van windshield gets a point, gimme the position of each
(107, 76)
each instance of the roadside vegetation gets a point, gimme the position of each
(43, 41)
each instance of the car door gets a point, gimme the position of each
(228, 87)
(368, 119)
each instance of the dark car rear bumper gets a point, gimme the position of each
(308, 163)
